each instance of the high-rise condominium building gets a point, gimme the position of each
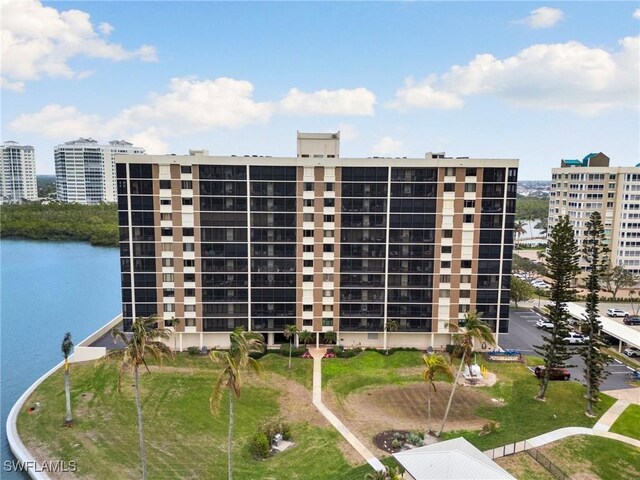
(580, 187)
(85, 170)
(18, 173)
(383, 251)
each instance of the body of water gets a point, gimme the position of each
(47, 289)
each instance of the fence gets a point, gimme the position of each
(533, 452)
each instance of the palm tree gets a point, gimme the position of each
(519, 230)
(306, 337)
(330, 337)
(389, 473)
(474, 329)
(143, 342)
(434, 364)
(234, 361)
(66, 347)
(290, 331)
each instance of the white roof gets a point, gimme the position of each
(626, 333)
(454, 459)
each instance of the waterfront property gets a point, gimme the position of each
(17, 173)
(384, 251)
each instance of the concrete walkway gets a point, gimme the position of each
(317, 354)
(600, 429)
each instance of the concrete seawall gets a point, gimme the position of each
(82, 352)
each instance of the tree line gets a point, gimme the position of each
(97, 224)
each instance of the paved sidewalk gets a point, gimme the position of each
(317, 354)
(600, 429)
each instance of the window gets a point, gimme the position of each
(167, 247)
(444, 293)
(449, 172)
(307, 308)
(187, 184)
(189, 263)
(189, 308)
(465, 278)
(307, 233)
(189, 322)
(470, 172)
(445, 278)
(372, 336)
(328, 234)
(465, 264)
(465, 294)
(166, 232)
(327, 263)
(169, 307)
(307, 217)
(446, 249)
(445, 264)
(307, 263)
(308, 186)
(447, 233)
(168, 292)
(329, 218)
(308, 202)
(165, 216)
(329, 202)
(187, 201)
(327, 322)
(307, 248)
(327, 293)
(467, 218)
(464, 308)
(327, 308)
(327, 247)
(187, 232)
(449, 187)
(167, 277)
(328, 186)
(327, 277)
(306, 322)
(469, 187)
(189, 292)
(188, 247)
(189, 277)
(167, 262)
(307, 278)
(185, 169)
(165, 184)
(165, 201)
(469, 204)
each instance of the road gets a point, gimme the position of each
(523, 335)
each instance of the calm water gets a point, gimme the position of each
(48, 289)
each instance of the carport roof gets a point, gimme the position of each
(621, 331)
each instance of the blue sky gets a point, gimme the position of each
(528, 80)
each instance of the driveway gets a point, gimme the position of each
(523, 335)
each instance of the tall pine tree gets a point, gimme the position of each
(562, 263)
(595, 252)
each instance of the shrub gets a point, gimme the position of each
(193, 351)
(277, 425)
(295, 352)
(488, 428)
(260, 445)
(352, 352)
(415, 438)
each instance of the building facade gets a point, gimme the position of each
(18, 173)
(580, 187)
(383, 251)
(85, 170)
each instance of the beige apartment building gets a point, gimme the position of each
(384, 251)
(580, 187)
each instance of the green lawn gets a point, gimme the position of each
(183, 439)
(629, 422)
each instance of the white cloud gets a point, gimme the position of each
(357, 101)
(12, 86)
(543, 17)
(40, 41)
(58, 122)
(387, 146)
(565, 76)
(636, 13)
(347, 131)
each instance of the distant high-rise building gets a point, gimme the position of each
(383, 251)
(86, 171)
(18, 173)
(580, 187)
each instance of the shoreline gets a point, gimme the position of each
(23, 456)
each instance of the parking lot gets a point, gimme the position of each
(523, 335)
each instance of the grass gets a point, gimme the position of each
(344, 376)
(629, 422)
(606, 458)
(183, 439)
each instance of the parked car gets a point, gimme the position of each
(632, 352)
(556, 373)
(574, 338)
(631, 320)
(539, 284)
(616, 312)
(544, 323)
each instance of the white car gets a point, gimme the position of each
(544, 323)
(574, 338)
(616, 312)
(632, 352)
(539, 284)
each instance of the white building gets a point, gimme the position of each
(580, 187)
(18, 173)
(86, 171)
